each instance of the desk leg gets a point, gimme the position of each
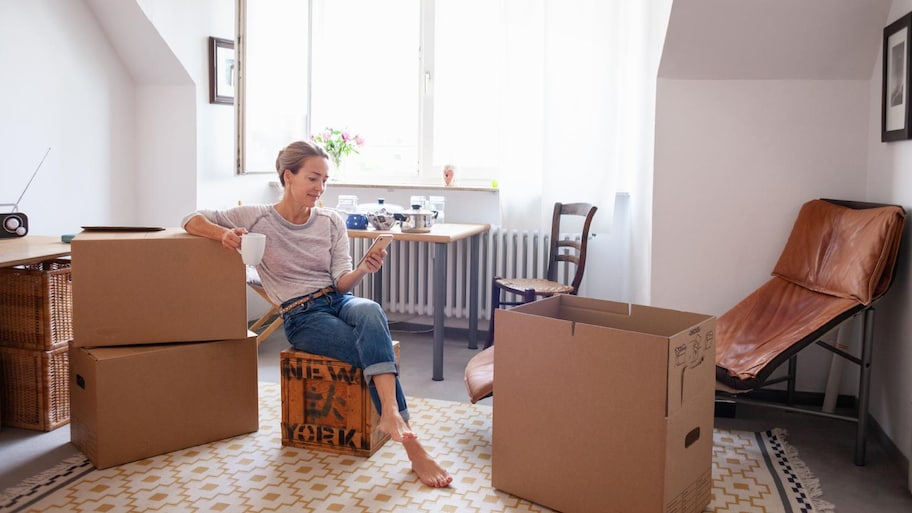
(377, 289)
(474, 276)
(440, 264)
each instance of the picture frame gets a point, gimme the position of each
(897, 78)
(222, 71)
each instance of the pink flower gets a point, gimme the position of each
(338, 143)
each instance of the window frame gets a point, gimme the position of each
(423, 172)
(240, 115)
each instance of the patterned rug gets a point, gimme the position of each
(756, 472)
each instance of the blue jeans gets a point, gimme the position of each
(348, 328)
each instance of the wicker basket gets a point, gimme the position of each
(36, 305)
(34, 386)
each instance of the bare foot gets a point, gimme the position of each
(392, 424)
(428, 471)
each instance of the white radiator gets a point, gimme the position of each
(408, 271)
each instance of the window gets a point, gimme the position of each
(417, 79)
(273, 85)
(365, 79)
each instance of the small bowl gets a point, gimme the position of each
(356, 221)
(381, 220)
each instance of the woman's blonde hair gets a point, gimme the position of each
(292, 157)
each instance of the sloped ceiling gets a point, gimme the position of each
(144, 53)
(773, 39)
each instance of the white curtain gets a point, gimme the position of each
(575, 78)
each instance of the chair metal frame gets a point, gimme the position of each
(272, 317)
(864, 381)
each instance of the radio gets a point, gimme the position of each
(15, 223)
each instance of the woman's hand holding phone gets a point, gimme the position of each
(379, 244)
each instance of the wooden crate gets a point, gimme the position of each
(326, 405)
(34, 386)
(36, 305)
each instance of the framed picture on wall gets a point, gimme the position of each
(895, 99)
(222, 71)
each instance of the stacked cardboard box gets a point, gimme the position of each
(161, 357)
(35, 330)
(604, 406)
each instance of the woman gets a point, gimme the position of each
(307, 269)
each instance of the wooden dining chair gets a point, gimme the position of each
(560, 250)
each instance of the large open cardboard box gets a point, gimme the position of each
(154, 287)
(134, 402)
(604, 406)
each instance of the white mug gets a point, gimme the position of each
(252, 247)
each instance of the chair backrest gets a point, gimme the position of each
(569, 250)
(843, 248)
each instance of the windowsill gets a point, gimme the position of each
(412, 186)
(465, 203)
(403, 186)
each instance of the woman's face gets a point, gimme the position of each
(310, 181)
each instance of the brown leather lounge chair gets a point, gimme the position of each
(837, 262)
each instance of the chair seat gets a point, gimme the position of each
(540, 286)
(479, 375)
(769, 326)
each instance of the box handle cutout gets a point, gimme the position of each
(80, 381)
(692, 437)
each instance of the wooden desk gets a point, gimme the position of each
(31, 249)
(441, 235)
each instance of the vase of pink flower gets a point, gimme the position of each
(338, 144)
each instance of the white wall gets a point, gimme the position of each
(119, 89)
(751, 125)
(122, 101)
(64, 87)
(735, 159)
(889, 180)
(196, 168)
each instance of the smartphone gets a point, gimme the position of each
(382, 241)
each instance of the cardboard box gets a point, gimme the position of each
(326, 405)
(155, 287)
(604, 406)
(133, 402)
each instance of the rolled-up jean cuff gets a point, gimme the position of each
(380, 368)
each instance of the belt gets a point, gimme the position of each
(304, 299)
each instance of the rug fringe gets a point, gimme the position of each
(812, 484)
(16, 495)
